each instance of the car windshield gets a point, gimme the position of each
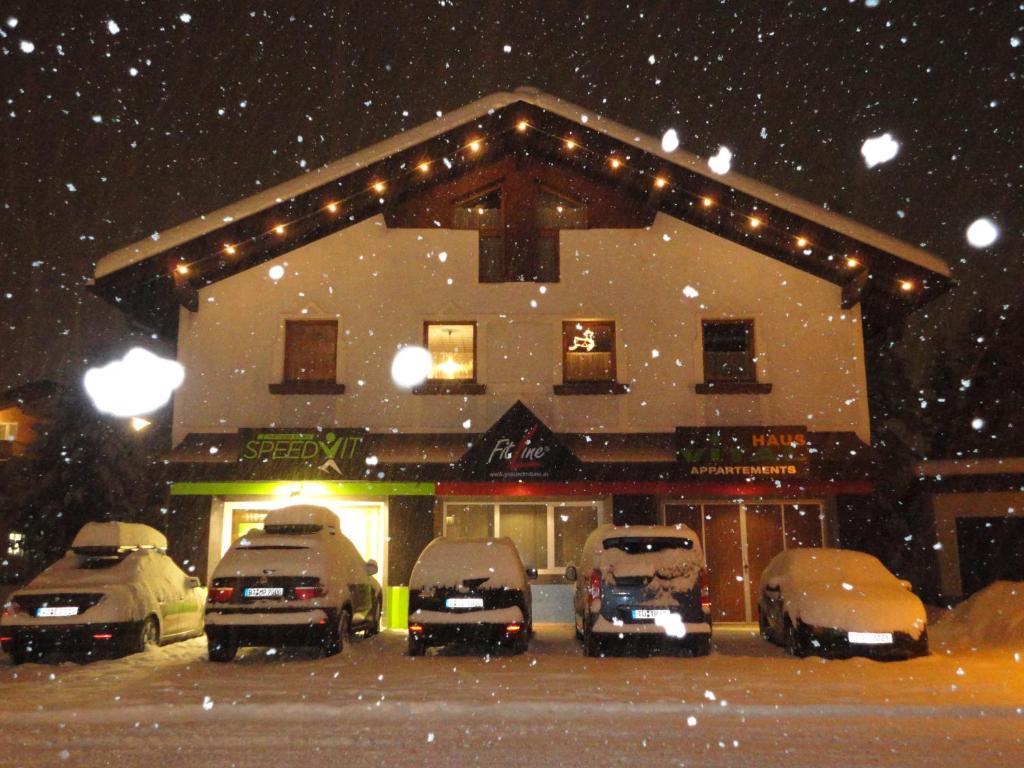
(292, 529)
(640, 546)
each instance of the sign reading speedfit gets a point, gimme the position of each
(292, 450)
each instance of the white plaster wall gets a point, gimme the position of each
(382, 284)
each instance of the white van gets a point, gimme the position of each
(298, 581)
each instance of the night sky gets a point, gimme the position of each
(114, 131)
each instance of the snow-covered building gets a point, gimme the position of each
(616, 333)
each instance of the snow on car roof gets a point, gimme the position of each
(604, 532)
(447, 562)
(115, 535)
(302, 514)
(818, 564)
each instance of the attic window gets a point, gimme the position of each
(556, 211)
(484, 212)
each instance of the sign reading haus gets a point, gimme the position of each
(741, 452)
(305, 452)
(518, 447)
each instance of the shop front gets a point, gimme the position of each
(748, 493)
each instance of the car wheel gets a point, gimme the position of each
(220, 649)
(576, 627)
(700, 645)
(416, 646)
(794, 646)
(374, 626)
(148, 636)
(337, 633)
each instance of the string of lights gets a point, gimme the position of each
(473, 148)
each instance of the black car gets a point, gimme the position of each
(470, 590)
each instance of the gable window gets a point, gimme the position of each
(484, 212)
(452, 347)
(310, 358)
(729, 364)
(588, 358)
(554, 212)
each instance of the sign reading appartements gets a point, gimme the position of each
(743, 452)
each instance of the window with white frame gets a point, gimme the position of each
(549, 535)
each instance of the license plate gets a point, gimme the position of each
(263, 592)
(870, 638)
(60, 610)
(650, 613)
(464, 602)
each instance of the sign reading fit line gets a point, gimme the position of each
(295, 453)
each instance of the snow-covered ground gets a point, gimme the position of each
(746, 704)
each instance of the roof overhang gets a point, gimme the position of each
(150, 279)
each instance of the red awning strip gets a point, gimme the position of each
(657, 488)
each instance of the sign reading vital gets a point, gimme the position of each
(719, 452)
(306, 452)
(518, 447)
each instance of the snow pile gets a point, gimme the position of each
(669, 570)
(449, 562)
(118, 536)
(992, 617)
(844, 589)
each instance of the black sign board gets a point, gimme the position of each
(518, 447)
(716, 453)
(306, 453)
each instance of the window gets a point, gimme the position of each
(588, 359)
(555, 211)
(484, 212)
(15, 544)
(548, 535)
(8, 430)
(729, 350)
(452, 349)
(310, 358)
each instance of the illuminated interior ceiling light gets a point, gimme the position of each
(279, 229)
(474, 145)
(906, 285)
(182, 269)
(801, 242)
(423, 167)
(522, 125)
(707, 202)
(450, 368)
(660, 182)
(615, 163)
(379, 187)
(852, 262)
(570, 144)
(230, 250)
(332, 207)
(755, 222)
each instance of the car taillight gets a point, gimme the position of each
(13, 609)
(220, 594)
(103, 636)
(416, 629)
(594, 585)
(513, 628)
(705, 592)
(308, 593)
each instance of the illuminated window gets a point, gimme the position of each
(452, 348)
(729, 351)
(311, 351)
(15, 544)
(588, 351)
(9, 430)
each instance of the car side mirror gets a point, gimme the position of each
(191, 582)
(531, 573)
(905, 583)
(571, 573)
(371, 567)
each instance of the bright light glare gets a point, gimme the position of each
(982, 233)
(138, 384)
(411, 366)
(879, 149)
(670, 140)
(721, 162)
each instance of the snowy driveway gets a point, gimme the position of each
(746, 704)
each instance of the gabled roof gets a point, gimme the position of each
(140, 278)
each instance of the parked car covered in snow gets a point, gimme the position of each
(470, 590)
(299, 581)
(839, 602)
(642, 580)
(115, 589)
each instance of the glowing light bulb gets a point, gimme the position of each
(474, 145)
(379, 187)
(801, 242)
(522, 125)
(230, 250)
(615, 163)
(755, 222)
(450, 368)
(852, 263)
(332, 207)
(570, 144)
(279, 229)
(707, 202)
(423, 167)
(906, 285)
(660, 182)
(182, 269)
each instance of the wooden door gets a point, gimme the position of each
(764, 541)
(724, 552)
(684, 514)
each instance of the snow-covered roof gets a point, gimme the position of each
(302, 514)
(812, 212)
(115, 535)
